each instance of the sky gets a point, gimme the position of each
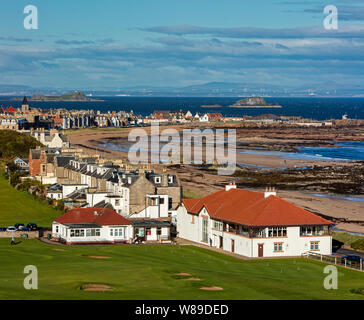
(115, 44)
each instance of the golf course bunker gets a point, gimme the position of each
(212, 288)
(96, 287)
(183, 274)
(99, 257)
(192, 279)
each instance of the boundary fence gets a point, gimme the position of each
(336, 260)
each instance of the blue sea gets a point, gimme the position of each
(340, 151)
(313, 108)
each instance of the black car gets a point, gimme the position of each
(19, 226)
(32, 226)
(351, 258)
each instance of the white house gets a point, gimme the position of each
(253, 224)
(92, 225)
(157, 207)
(204, 118)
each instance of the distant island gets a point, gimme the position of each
(253, 102)
(73, 96)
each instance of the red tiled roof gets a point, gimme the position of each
(11, 110)
(215, 115)
(104, 217)
(252, 209)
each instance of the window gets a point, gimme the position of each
(117, 202)
(161, 200)
(116, 232)
(277, 232)
(278, 246)
(218, 225)
(90, 232)
(148, 231)
(157, 180)
(97, 232)
(314, 231)
(56, 229)
(259, 233)
(314, 245)
(159, 231)
(170, 179)
(77, 233)
(204, 230)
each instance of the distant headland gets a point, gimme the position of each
(253, 102)
(73, 96)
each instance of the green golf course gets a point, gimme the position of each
(149, 272)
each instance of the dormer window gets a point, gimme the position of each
(170, 179)
(157, 179)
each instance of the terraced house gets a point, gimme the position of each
(253, 224)
(127, 192)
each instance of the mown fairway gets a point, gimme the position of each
(148, 272)
(17, 206)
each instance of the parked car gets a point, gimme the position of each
(11, 228)
(32, 226)
(350, 258)
(19, 226)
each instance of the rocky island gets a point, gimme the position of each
(254, 102)
(73, 96)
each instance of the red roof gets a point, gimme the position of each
(11, 110)
(103, 217)
(214, 115)
(252, 209)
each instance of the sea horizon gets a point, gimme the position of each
(316, 108)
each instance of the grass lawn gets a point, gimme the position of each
(17, 206)
(148, 272)
(345, 237)
(188, 194)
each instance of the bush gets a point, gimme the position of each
(358, 244)
(16, 144)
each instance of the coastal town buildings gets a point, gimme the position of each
(207, 117)
(104, 225)
(253, 224)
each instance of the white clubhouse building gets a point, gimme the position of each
(253, 224)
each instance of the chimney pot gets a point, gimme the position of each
(270, 192)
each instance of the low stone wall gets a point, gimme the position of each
(17, 234)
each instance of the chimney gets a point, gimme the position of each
(231, 185)
(270, 192)
(164, 180)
